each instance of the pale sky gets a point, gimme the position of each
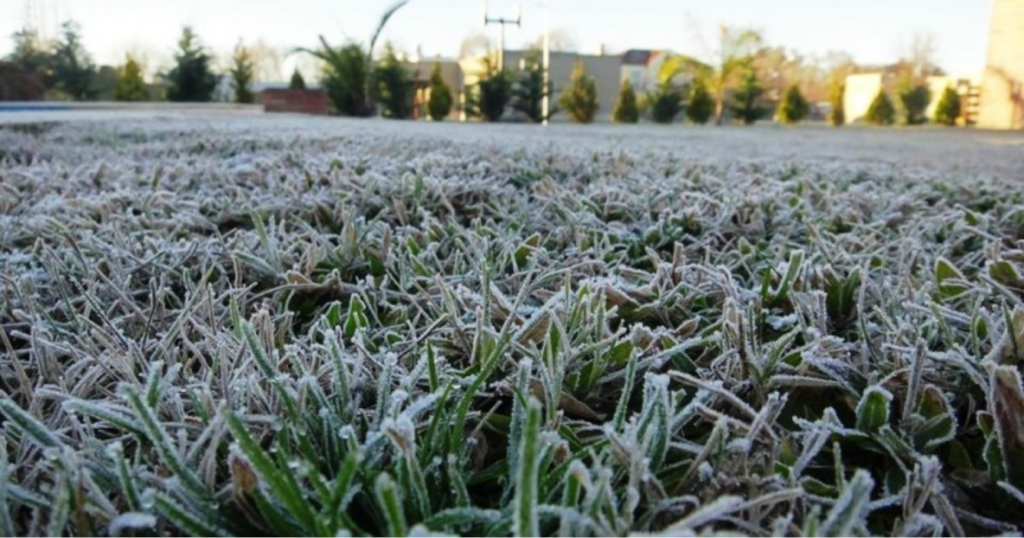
(874, 31)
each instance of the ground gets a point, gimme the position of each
(253, 325)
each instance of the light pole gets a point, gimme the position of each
(503, 22)
(545, 103)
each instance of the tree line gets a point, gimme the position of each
(62, 69)
(744, 81)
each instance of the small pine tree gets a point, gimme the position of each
(794, 107)
(440, 103)
(702, 105)
(297, 82)
(71, 67)
(837, 98)
(747, 99)
(242, 68)
(490, 96)
(191, 79)
(129, 85)
(395, 87)
(915, 99)
(579, 98)
(665, 103)
(948, 109)
(527, 91)
(881, 111)
(626, 109)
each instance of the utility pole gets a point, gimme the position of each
(503, 22)
(545, 103)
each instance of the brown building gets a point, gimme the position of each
(1002, 89)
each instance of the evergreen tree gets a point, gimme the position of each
(794, 107)
(948, 109)
(72, 67)
(439, 105)
(702, 105)
(242, 67)
(881, 111)
(837, 98)
(626, 109)
(915, 99)
(103, 83)
(395, 87)
(130, 86)
(30, 53)
(297, 82)
(746, 104)
(665, 103)
(579, 98)
(490, 96)
(191, 79)
(528, 88)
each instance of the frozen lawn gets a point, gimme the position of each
(316, 326)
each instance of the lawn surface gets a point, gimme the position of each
(320, 326)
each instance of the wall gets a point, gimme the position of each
(296, 101)
(1002, 90)
(860, 91)
(606, 70)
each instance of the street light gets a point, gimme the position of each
(545, 106)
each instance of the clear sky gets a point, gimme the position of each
(874, 31)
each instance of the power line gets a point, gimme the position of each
(503, 22)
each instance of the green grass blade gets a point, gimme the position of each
(389, 500)
(281, 482)
(526, 521)
(28, 424)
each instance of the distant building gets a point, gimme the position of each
(641, 68)
(862, 88)
(308, 101)
(605, 69)
(1002, 89)
(451, 72)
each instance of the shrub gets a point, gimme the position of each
(18, 84)
(297, 82)
(915, 99)
(129, 85)
(71, 66)
(881, 111)
(191, 79)
(626, 109)
(702, 105)
(579, 98)
(395, 87)
(747, 99)
(440, 103)
(346, 78)
(490, 96)
(665, 103)
(948, 109)
(242, 67)
(837, 97)
(794, 107)
(527, 90)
